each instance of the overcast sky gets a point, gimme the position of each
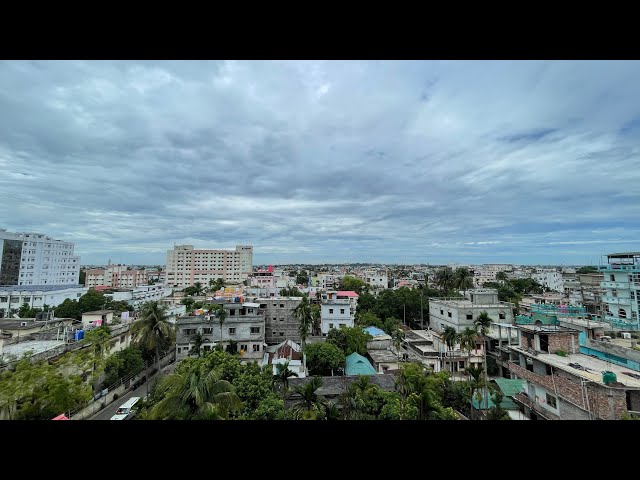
(337, 161)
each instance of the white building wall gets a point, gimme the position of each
(550, 279)
(10, 299)
(335, 315)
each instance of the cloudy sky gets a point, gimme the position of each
(337, 161)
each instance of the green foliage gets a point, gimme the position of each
(397, 408)
(349, 339)
(90, 301)
(302, 278)
(395, 304)
(323, 358)
(349, 283)
(291, 292)
(310, 405)
(492, 366)
(188, 303)
(252, 385)
(40, 391)
(82, 278)
(152, 332)
(26, 311)
(302, 313)
(497, 412)
(462, 279)
(270, 408)
(587, 269)
(561, 353)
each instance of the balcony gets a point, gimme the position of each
(619, 267)
(616, 300)
(622, 285)
(522, 399)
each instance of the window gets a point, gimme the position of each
(256, 348)
(207, 348)
(282, 334)
(612, 278)
(207, 330)
(282, 305)
(342, 311)
(342, 325)
(255, 329)
(274, 319)
(442, 326)
(461, 364)
(188, 331)
(282, 319)
(449, 314)
(331, 310)
(179, 350)
(273, 333)
(243, 347)
(551, 401)
(232, 331)
(469, 316)
(331, 325)
(441, 312)
(3, 299)
(502, 316)
(549, 369)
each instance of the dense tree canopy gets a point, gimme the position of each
(324, 358)
(349, 339)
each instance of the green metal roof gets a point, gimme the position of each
(359, 365)
(510, 386)
(506, 403)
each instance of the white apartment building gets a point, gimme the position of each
(329, 280)
(338, 309)
(550, 278)
(37, 259)
(142, 293)
(460, 313)
(36, 296)
(186, 266)
(488, 272)
(376, 279)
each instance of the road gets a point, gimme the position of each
(141, 391)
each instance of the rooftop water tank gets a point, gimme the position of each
(609, 377)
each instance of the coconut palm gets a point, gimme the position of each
(502, 277)
(197, 339)
(221, 314)
(316, 320)
(310, 406)
(188, 303)
(153, 330)
(303, 314)
(476, 383)
(463, 279)
(450, 338)
(445, 279)
(282, 376)
(468, 342)
(483, 325)
(198, 289)
(397, 337)
(199, 393)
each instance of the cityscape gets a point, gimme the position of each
(319, 240)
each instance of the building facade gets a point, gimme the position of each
(242, 329)
(37, 259)
(376, 279)
(337, 309)
(550, 278)
(280, 323)
(487, 273)
(186, 266)
(138, 295)
(118, 276)
(460, 313)
(36, 296)
(621, 284)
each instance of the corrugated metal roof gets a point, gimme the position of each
(510, 386)
(374, 331)
(359, 365)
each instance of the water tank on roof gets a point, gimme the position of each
(609, 377)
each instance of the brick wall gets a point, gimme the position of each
(567, 342)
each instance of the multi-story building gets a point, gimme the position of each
(280, 323)
(186, 266)
(562, 384)
(37, 296)
(119, 276)
(138, 295)
(329, 281)
(243, 329)
(487, 273)
(549, 278)
(460, 313)
(37, 259)
(338, 309)
(376, 279)
(622, 285)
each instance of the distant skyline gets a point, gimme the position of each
(524, 162)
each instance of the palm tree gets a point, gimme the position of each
(468, 342)
(153, 329)
(397, 337)
(188, 303)
(198, 289)
(445, 279)
(315, 320)
(483, 324)
(212, 283)
(222, 316)
(463, 279)
(450, 337)
(197, 339)
(303, 314)
(476, 384)
(282, 375)
(311, 405)
(502, 277)
(198, 393)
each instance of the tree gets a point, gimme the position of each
(198, 339)
(98, 339)
(302, 278)
(291, 292)
(82, 278)
(450, 338)
(198, 289)
(26, 311)
(221, 315)
(282, 376)
(349, 283)
(502, 277)
(483, 324)
(587, 269)
(445, 279)
(463, 279)
(468, 342)
(324, 358)
(302, 313)
(349, 339)
(498, 412)
(316, 320)
(153, 331)
(197, 393)
(310, 406)
(122, 364)
(188, 303)
(476, 383)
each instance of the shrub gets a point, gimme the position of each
(561, 353)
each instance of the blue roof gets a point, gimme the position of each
(358, 365)
(374, 331)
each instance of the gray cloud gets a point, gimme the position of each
(325, 161)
